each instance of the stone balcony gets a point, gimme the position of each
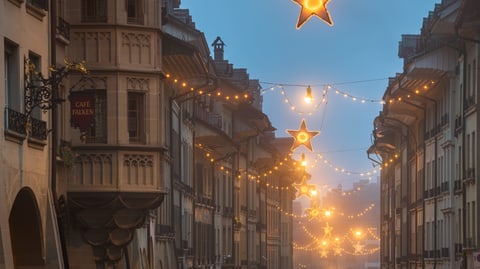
(110, 193)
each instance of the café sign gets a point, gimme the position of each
(82, 110)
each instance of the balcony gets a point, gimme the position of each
(209, 131)
(205, 201)
(445, 186)
(444, 119)
(16, 126)
(470, 173)
(228, 212)
(15, 123)
(110, 193)
(63, 30)
(469, 102)
(470, 243)
(457, 185)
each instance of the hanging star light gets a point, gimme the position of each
(304, 188)
(302, 136)
(337, 251)
(358, 248)
(313, 7)
(327, 230)
(313, 212)
(323, 253)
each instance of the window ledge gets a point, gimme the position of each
(62, 39)
(36, 12)
(18, 3)
(14, 137)
(36, 143)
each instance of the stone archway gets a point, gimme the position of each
(26, 230)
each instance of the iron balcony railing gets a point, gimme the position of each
(17, 122)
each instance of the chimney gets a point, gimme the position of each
(218, 49)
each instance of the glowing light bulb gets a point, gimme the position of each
(302, 137)
(304, 162)
(308, 96)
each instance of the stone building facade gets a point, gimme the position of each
(427, 139)
(159, 157)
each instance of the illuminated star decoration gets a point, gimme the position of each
(327, 230)
(313, 7)
(304, 188)
(302, 136)
(358, 248)
(337, 251)
(323, 253)
(313, 212)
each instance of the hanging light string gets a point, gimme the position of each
(218, 93)
(309, 218)
(372, 232)
(295, 108)
(322, 243)
(326, 88)
(320, 158)
(262, 178)
(359, 214)
(312, 246)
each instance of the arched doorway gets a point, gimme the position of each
(26, 230)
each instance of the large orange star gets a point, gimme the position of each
(313, 7)
(302, 136)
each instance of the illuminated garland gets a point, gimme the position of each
(319, 158)
(321, 245)
(361, 214)
(216, 93)
(301, 112)
(326, 88)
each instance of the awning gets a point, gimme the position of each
(209, 133)
(420, 77)
(181, 59)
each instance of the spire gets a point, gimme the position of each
(218, 45)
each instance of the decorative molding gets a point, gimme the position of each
(138, 84)
(139, 47)
(90, 83)
(138, 160)
(94, 169)
(138, 170)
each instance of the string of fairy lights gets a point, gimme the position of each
(261, 178)
(323, 100)
(330, 243)
(319, 213)
(318, 244)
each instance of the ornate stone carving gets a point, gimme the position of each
(138, 84)
(138, 47)
(138, 170)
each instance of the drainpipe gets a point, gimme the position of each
(464, 192)
(54, 126)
